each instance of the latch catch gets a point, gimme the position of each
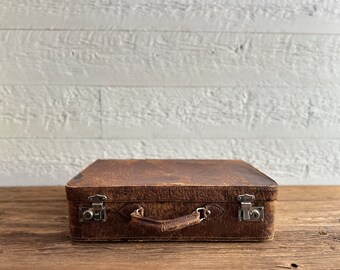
(96, 212)
(248, 212)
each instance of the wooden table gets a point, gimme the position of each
(34, 234)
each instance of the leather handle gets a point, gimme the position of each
(168, 225)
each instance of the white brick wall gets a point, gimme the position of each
(253, 80)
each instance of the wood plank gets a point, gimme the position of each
(34, 194)
(309, 193)
(220, 113)
(33, 233)
(122, 58)
(48, 162)
(49, 112)
(176, 15)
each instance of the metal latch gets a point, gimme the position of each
(248, 212)
(96, 212)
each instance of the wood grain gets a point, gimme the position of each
(300, 16)
(34, 235)
(129, 58)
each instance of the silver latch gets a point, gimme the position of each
(248, 212)
(96, 212)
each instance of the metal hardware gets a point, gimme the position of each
(204, 212)
(140, 211)
(96, 212)
(248, 212)
(87, 215)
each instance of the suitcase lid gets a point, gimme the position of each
(171, 180)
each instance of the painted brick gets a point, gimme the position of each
(130, 58)
(49, 162)
(294, 16)
(219, 113)
(49, 112)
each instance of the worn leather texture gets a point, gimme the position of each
(138, 218)
(164, 225)
(167, 190)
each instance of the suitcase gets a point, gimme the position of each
(171, 200)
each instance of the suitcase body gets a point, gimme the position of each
(171, 200)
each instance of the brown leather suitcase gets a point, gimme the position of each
(171, 200)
